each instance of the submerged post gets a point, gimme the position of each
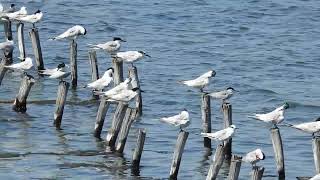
(138, 151)
(125, 128)
(257, 173)
(21, 46)
(278, 151)
(60, 102)
(118, 70)
(177, 155)
(101, 114)
(227, 121)
(217, 163)
(7, 29)
(234, 167)
(20, 103)
(316, 153)
(73, 64)
(206, 118)
(116, 124)
(133, 74)
(34, 35)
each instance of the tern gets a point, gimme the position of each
(33, 18)
(275, 117)
(131, 56)
(201, 81)
(103, 81)
(14, 15)
(254, 156)
(72, 33)
(222, 135)
(50, 72)
(124, 96)
(110, 46)
(309, 127)
(181, 120)
(117, 89)
(223, 95)
(21, 66)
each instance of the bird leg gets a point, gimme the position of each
(201, 90)
(34, 26)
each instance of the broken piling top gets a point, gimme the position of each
(20, 102)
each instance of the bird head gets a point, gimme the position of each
(213, 73)
(61, 65)
(108, 73)
(12, 5)
(136, 89)
(141, 52)
(318, 119)
(118, 39)
(38, 11)
(286, 105)
(230, 89)
(233, 126)
(260, 155)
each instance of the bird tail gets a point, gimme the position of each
(253, 116)
(52, 39)
(205, 135)
(181, 82)
(85, 86)
(287, 124)
(92, 46)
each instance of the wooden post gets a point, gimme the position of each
(60, 102)
(257, 173)
(278, 151)
(73, 64)
(116, 124)
(227, 121)
(20, 103)
(181, 141)
(7, 29)
(21, 41)
(101, 114)
(206, 118)
(125, 128)
(234, 167)
(133, 74)
(138, 151)
(316, 153)
(34, 35)
(94, 65)
(217, 163)
(6, 60)
(118, 71)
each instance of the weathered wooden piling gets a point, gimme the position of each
(7, 25)
(101, 114)
(60, 102)
(257, 173)
(5, 60)
(217, 163)
(73, 64)
(20, 103)
(206, 118)
(94, 65)
(21, 46)
(278, 151)
(136, 156)
(316, 153)
(116, 124)
(118, 70)
(234, 167)
(227, 121)
(133, 74)
(125, 128)
(177, 155)
(34, 35)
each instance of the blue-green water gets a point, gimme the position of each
(268, 50)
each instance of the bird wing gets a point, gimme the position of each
(310, 127)
(218, 95)
(48, 71)
(17, 65)
(195, 82)
(129, 55)
(73, 31)
(171, 120)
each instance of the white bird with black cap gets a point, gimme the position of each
(124, 96)
(309, 127)
(131, 56)
(72, 33)
(222, 135)
(58, 73)
(49, 72)
(123, 86)
(201, 81)
(103, 81)
(275, 117)
(21, 66)
(32, 18)
(110, 46)
(181, 120)
(223, 95)
(254, 156)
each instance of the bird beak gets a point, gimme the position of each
(147, 55)
(236, 128)
(141, 90)
(123, 40)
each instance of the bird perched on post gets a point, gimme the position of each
(201, 81)
(72, 33)
(110, 46)
(254, 156)
(181, 120)
(309, 127)
(124, 96)
(223, 95)
(49, 72)
(103, 81)
(33, 18)
(123, 86)
(222, 135)
(275, 117)
(130, 56)
(21, 66)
